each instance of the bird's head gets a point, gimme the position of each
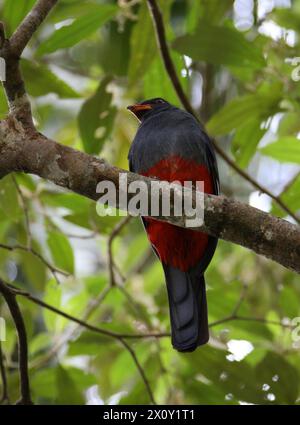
(146, 108)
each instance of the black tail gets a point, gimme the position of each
(188, 309)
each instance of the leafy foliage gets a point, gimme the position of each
(89, 64)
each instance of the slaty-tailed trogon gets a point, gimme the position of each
(171, 145)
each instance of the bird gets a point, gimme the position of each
(171, 145)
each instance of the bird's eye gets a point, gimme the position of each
(160, 101)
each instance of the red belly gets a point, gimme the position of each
(178, 247)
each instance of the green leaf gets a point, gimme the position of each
(61, 251)
(96, 119)
(33, 268)
(289, 124)
(3, 104)
(43, 383)
(286, 386)
(114, 49)
(88, 344)
(68, 392)
(39, 343)
(12, 15)
(219, 46)
(212, 10)
(53, 295)
(286, 149)
(288, 301)
(290, 197)
(287, 18)
(143, 43)
(246, 140)
(80, 29)
(70, 201)
(245, 108)
(9, 203)
(44, 81)
(157, 83)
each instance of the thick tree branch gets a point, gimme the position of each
(28, 151)
(16, 314)
(30, 24)
(171, 71)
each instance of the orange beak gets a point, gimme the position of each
(137, 107)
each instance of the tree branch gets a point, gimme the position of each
(171, 71)
(28, 151)
(22, 148)
(16, 314)
(30, 24)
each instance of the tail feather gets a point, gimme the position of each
(188, 308)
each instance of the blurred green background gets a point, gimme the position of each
(87, 62)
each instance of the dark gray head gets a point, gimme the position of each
(148, 107)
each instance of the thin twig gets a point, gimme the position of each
(93, 328)
(10, 298)
(171, 70)
(30, 24)
(140, 369)
(240, 301)
(54, 270)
